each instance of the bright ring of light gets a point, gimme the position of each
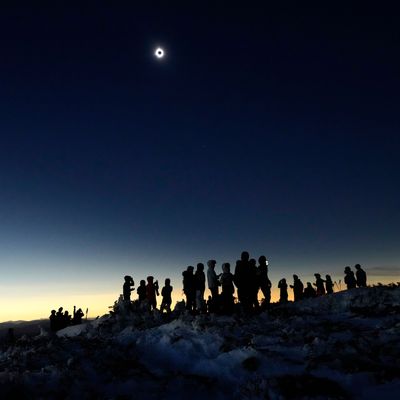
(159, 53)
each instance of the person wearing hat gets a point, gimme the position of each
(349, 278)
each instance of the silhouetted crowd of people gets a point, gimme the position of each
(248, 278)
(61, 319)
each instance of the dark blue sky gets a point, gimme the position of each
(272, 130)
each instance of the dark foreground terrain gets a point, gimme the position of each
(342, 346)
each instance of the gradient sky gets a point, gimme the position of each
(271, 130)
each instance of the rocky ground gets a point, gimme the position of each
(341, 346)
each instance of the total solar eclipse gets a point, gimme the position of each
(159, 52)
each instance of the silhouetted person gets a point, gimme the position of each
(67, 319)
(282, 285)
(263, 280)
(361, 276)
(319, 283)
(212, 280)
(77, 316)
(59, 319)
(309, 292)
(166, 293)
(254, 283)
(53, 321)
(243, 280)
(141, 291)
(328, 284)
(128, 288)
(189, 288)
(152, 292)
(60, 313)
(297, 288)
(200, 282)
(228, 289)
(349, 278)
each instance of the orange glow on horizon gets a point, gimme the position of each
(35, 307)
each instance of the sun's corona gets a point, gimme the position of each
(159, 52)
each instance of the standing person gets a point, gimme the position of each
(128, 288)
(212, 280)
(166, 293)
(189, 288)
(60, 319)
(282, 285)
(264, 282)
(67, 319)
(77, 316)
(141, 291)
(254, 283)
(151, 292)
(328, 284)
(297, 288)
(200, 282)
(349, 278)
(53, 321)
(228, 289)
(361, 276)
(319, 283)
(243, 281)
